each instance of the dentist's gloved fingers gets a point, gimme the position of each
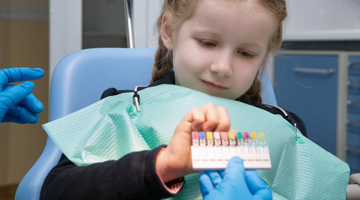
(257, 186)
(205, 183)
(13, 96)
(30, 102)
(222, 173)
(12, 118)
(235, 170)
(214, 177)
(20, 112)
(253, 180)
(10, 75)
(249, 179)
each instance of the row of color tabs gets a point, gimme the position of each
(212, 150)
(227, 138)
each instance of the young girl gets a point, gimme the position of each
(214, 46)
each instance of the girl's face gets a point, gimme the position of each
(219, 50)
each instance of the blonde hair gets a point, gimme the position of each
(181, 10)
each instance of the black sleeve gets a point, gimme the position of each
(112, 92)
(131, 177)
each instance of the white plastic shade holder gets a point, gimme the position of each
(213, 150)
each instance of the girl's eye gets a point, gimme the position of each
(206, 43)
(245, 54)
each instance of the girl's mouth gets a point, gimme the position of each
(213, 86)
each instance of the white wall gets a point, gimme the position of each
(307, 20)
(145, 15)
(65, 29)
(323, 20)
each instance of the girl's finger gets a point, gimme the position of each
(192, 121)
(211, 117)
(224, 120)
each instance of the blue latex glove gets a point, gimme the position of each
(17, 104)
(233, 183)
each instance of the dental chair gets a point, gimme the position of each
(79, 80)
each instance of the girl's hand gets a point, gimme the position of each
(175, 160)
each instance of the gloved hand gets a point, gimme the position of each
(234, 183)
(17, 104)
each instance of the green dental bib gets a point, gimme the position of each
(112, 128)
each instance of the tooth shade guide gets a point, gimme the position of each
(215, 149)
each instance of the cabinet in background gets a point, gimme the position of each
(353, 116)
(307, 86)
(323, 88)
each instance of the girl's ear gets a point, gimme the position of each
(167, 31)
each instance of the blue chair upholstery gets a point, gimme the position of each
(78, 81)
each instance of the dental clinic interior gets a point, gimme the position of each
(316, 74)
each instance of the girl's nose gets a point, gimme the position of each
(221, 65)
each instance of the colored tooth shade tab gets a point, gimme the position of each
(213, 150)
(253, 135)
(202, 138)
(202, 135)
(195, 138)
(246, 135)
(224, 139)
(209, 137)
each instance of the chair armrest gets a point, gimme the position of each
(353, 192)
(354, 179)
(353, 189)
